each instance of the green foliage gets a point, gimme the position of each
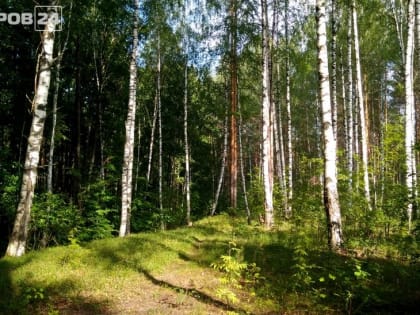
(53, 220)
(288, 270)
(301, 268)
(33, 295)
(9, 193)
(237, 274)
(57, 221)
(256, 194)
(99, 212)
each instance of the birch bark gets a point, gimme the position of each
(222, 168)
(267, 161)
(410, 123)
(288, 212)
(186, 144)
(18, 239)
(331, 202)
(360, 102)
(127, 172)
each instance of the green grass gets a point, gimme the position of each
(169, 273)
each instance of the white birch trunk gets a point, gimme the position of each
(362, 115)
(267, 160)
(334, 65)
(138, 157)
(18, 239)
(53, 126)
(241, 165)
(130, 125)
(288, 209)
(282, 171)
(331, 202)
(418, 30)
(152, 139)
(159, 105)
(54, 109)
(222, 169)
(186, 144)
(397, 14)
(410, 123)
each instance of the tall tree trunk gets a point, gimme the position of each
(278, 121)
(289, 123)
(53, 127)
(233, 160)
(241, 166)
(397, 14)
(138, 157)
(417, 96)
(267, 160)
(223, 166)
(410, 122)
(332, 206)
(18, 239)
(282, 171)
(76, 175)
(54, 109)
(159, 109)
(334, 65)
(130, 126)
(152, 139)
(362, 113)
(349, 100)
(186, 144)
(418, 29)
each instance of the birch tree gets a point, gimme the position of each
(361, 107)
(334, 65)
(331, 202)
(127, 172)
(267, 159)
(59, 59)
(159, 112)
(289, 120)
(410, 122)
(418, 30)
(186, 145)
(223, 166)
(19, 237)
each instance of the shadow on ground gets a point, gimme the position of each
(30, 297)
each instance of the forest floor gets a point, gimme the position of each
(218, 266)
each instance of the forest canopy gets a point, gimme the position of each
(127, 116)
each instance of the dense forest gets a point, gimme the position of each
(121, 117)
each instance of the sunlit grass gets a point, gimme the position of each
(100, 275)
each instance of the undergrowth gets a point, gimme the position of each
(287, 270)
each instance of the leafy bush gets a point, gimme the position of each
(99, 210)
(53, 219)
